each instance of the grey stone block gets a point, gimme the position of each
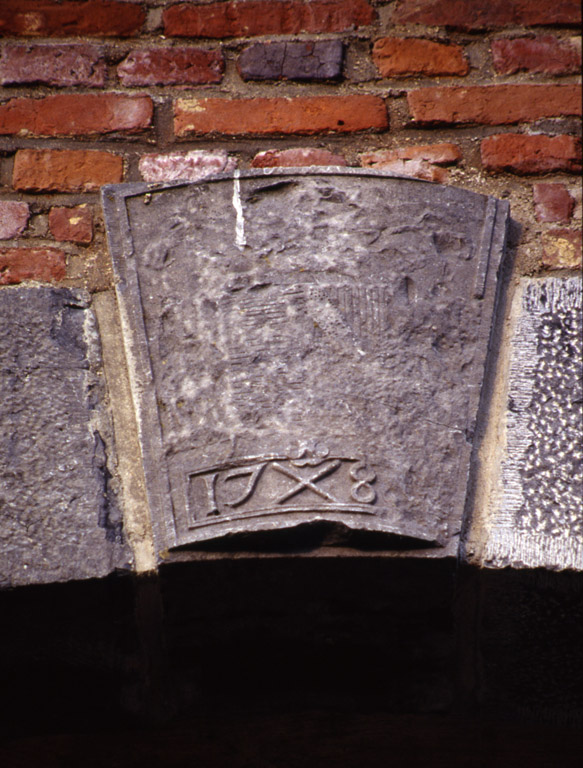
(298, 60)
(306, 348)
(59, 518)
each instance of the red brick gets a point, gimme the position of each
(552, 202)
(544, 54)
(410, 56)
(193, 166)
(438, 154)
(63, 170)
(265, 17)
(13, 218)
(76, 115)
(531, 154)
(43, 264)
(59, 65)
(49, 18)
(487, 14)
(416, 169)
(262, 117)
(73, 225)
(493, 104)
(562, 248)
(171, 66)
(296, 158)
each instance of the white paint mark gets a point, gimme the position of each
(240, 221)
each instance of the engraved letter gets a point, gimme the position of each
(254, 475)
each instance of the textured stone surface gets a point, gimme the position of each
(531, 154)
(171, 66)
(552, 202)
(493, 104)
(536, 518)
(76, 115)
(296, 158)
(301, 115)
(60, 518)
(37, 18)
(264, 17)
(43, 264)
(71, 224)
(562, 248)
(539, 54)
(13, 218)
(395, 56)
(65, 170)
(307, 348)
(193, 166)
(294, 60)
(59, 65)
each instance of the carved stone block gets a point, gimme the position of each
(59, 519)
(306, 347)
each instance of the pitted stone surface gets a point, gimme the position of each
(538, 518)
(306, 348)
(59, 519)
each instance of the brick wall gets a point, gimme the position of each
(482, 95)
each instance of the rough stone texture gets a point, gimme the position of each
(493, 104)
(296, 158)
(59, 65)
(76, 115)
(395, 56)
(531, 154)
(552, 202)
(264, 17)
(536, 520)
(192, 166)
(65, 170)
(545, 54)
(262, 117)
(487, 14)
(306, 349)
(43, 264)
(171, 66)
(13, 218)
(562, 248)
(60, 518)
(294, 60)
(39, 18)
(71, 224)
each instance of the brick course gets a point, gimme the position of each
(296, 158)
(13, 218)
(294, 60)
(531, 154)
(36, 18)
(59, 65)
(544, 54)
(42, 264)
(399, 57)
(62, 170)
(171, 66)
(71, 224)
(552, 202)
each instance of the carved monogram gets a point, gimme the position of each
(303, 481)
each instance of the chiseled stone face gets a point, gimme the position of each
(535, 518)
(306, 347)
(59, 519)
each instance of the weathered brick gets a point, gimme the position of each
(296, 60)
(76, 115)
(35, 18)
(303, 115)
(416, 169)
(296, 158)
(43, 264)
(171, 66)
(531, 154)
(493, 104)
(544, 54)
(59, 65)
(438, 154)
(552, 202)
(63, 170)
(71, 224)
(193, 166)
(487, 14)
(562, 248)
(265, 17)
(395, 57)
(13, 218)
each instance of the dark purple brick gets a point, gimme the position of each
(296, 60)
(60, 65)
